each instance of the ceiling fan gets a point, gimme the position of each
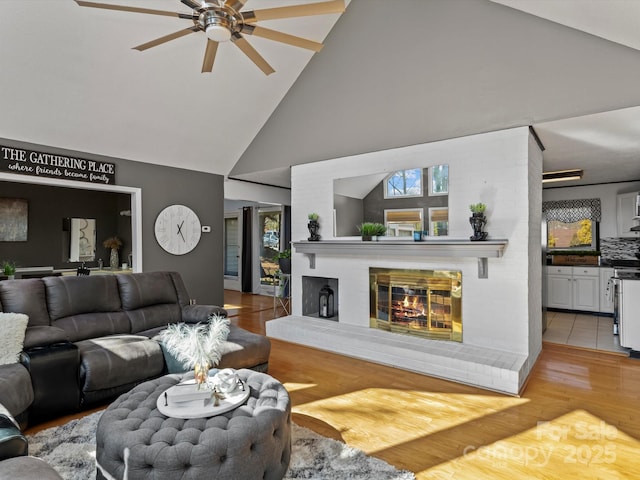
(222, 21)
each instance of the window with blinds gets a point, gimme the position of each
(231, 246)
(438, 221)
(573, 224)
(403, 222)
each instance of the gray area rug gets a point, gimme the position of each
(70, 449)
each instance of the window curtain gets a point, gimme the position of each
(247, 259)
(286, 227)
(570, 211)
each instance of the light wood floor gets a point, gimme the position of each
(578, 417)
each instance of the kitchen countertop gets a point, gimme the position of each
(604, 263)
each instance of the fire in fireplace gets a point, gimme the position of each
(426, 303)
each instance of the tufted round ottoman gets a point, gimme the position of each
(135, 441)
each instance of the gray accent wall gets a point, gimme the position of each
(161, 186)
(48, 207)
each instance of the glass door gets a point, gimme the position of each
(269, 220)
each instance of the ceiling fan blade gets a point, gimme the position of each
(192, 4)
(166, 38)
(322, 8)
(281, 37)
(251, 52)
(127, 9)
(235, 4)
(209, 56)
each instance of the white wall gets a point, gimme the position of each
(606, 193)
(492, 168)
(535, 252)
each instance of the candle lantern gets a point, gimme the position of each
(325, 302)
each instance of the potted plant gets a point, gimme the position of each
(197, 346)
(284, 260)
(9, 269)
(372, 230)
(313, 227)
(477, 208)
(478, 221)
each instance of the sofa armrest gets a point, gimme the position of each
(12, 442)
(200, 313)
(43, 336)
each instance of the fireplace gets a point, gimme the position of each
(424, 303)
(312, 289)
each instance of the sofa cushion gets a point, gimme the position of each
(16, 392)
(92, 325)
(244, 349)
(12, 326)
(25, 296)
(151, 318)
(67, 296)
(117, 360)
(181, 289)
(138, 290)
(41, 336)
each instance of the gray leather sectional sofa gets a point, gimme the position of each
(92, 338)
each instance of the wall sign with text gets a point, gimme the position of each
(40, 164)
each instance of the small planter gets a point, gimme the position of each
(370, 231)
(285, 265)
(478, 221)
(313, 227)
(575, 260)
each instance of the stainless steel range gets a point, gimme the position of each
(626, 302)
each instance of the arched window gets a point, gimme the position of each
(404, 183)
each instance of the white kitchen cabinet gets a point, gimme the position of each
(606, 297)
(560, 291)
(573, 288)
(629, 326)
(625, 212)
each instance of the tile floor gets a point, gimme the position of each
(582, 330)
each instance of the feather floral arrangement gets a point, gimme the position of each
(197, 346)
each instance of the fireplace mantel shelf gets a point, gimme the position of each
(430, 248)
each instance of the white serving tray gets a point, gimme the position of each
(229, 402)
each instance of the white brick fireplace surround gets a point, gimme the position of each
(501, 314)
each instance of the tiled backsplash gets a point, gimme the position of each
(619, 248)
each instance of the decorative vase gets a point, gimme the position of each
(201, 373)
(367, 238)
(313, 227)
(114, 259)
(478, 221)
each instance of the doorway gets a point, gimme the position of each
(269, 241)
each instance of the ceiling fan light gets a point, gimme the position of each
(218, 33)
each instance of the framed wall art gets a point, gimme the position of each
(14, 219)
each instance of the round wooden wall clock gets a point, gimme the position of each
(177, 229)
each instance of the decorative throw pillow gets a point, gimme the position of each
(12, 326)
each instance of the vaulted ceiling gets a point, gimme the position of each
(392, 73)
